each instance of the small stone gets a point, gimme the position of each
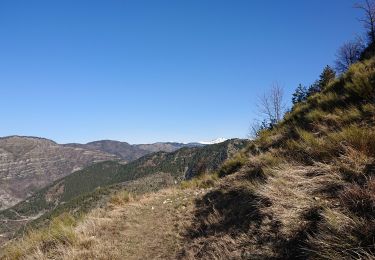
(316, 198)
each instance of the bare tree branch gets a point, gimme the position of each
(368, 7)
(348, 54)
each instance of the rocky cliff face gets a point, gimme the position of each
(28, 164)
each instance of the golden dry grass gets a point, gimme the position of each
(145, 228)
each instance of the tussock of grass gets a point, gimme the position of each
(59, 232)
(232, 165)
(308, 148)
(359, 138)
(271, 158)
(361, 80)
(121, 198)
(343, 236)
(360, 199)
(311, 147)
(203, 181)
(352, 165)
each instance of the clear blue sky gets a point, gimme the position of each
(146, 71)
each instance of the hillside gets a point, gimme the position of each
(130, 152)
(303, 189)
(30, 163)
(76, 191)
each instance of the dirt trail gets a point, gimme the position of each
(148, 228)
(247, 215)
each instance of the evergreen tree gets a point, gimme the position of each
(314, 88)
(300, 94)
(326, 77)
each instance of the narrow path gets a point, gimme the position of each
(149, 228)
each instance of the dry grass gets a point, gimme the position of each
(232, 165)
(120, 198)
(203, 181)
(38, 244)
(147, 228)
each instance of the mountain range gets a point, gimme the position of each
(28, 164)
(129, 152)
(83, 189)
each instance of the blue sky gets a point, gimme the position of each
(158, 70)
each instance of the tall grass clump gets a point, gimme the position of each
(232, 165)
(360, 199)
(203, 181)
(359, 138)
(120, 198)
(308, 147)
(59, 232)
(342, 235)
(360, 80)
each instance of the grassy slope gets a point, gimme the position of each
(303, 190)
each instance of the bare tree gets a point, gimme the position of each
(271, 104)
(368, 7)
(348, 54)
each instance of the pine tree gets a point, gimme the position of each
(314, 88)
(300, 94)
(326, 77)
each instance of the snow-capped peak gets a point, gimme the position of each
(216, 141)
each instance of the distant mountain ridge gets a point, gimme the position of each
(129, 152)
(215, 141)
